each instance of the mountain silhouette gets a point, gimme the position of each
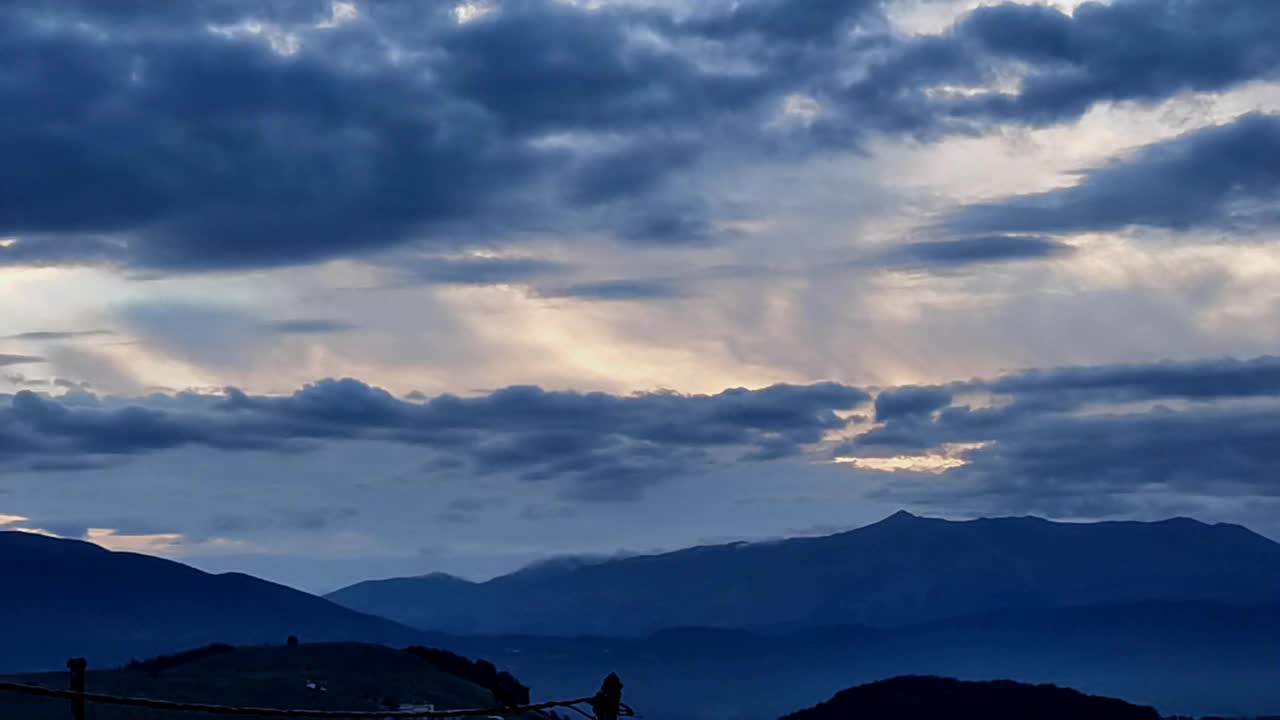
(936, 698)
(902, 570)
(1183, 658)
(64, 598)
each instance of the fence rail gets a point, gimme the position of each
(606, 704)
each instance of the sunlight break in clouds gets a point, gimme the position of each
(156, 544)
(951, 457)
(471, 11)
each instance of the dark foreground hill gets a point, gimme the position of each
(936, 698)
(328, 676)
(903, 570)
(63, 598)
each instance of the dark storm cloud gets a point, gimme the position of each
(604, 446)
(179, 139)
(784, 21)
(1063, 432)
(974, 251)
(18, 359)
(85, 430)
(1197, 380)
(905, 401)
(1224, 178)
(192, 148)
(622, 173)
(1126, 50)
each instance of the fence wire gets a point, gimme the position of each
(596, 706)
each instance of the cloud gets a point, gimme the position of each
(218, 137)
(605, 447)
(18, 359)
(469, 509)
(269, 159)
(974, 251)
(215, 335)
(1032, 393)
(784, 23)
(1054, 438)
(1225, 177)
(58, 336)
(308, 326)
(908, 401)
(1043, 462)
(206, 144)
(479, 270)
(1192, 380)
(621, 289)
(1060, 65)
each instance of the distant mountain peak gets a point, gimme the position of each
(443, 577)
(902, 518)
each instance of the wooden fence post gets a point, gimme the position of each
(77, 667)
(607, 703)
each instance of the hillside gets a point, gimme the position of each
(900, 571)
(67, 598)
(935, 698)
(353, 677)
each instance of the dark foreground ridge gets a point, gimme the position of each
(915, 697)
(325, 679)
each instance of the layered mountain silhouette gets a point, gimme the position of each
(901, 571)
(1178, 614)
(1189, 659)
(62, 598)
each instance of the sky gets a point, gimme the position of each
(328, 291)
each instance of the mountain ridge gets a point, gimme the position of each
(901, 570)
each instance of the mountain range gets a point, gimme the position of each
(1178, 614)
(904, 570)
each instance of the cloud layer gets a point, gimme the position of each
(1077, 440)
(1083, 432)
(1224, 178)
(222, 135)
(602, 446)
